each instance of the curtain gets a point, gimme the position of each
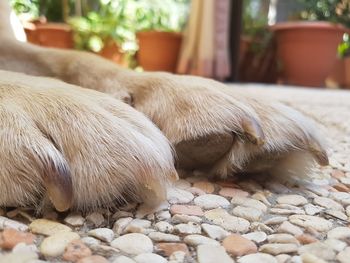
(205, 45)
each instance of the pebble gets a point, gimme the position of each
(168, 249)
(47, 227)
(210, 253)
(328, 203)
(233, 192)
(257, 226)
(189, 228)
(222, 218)
(311, 209)
(239, 246)
(306, 239)
(275, 220)
(93, 259)
(179, 196)
(121, 224)
(182, 184)
(24, 248)
(196, 191)
(257, 237)
(10, 237)
(341, 197)
(26, 257)
(337, 214)
(185, 219)
(149, 257)
(177, 257)
(310, 258)
(205, 186)
(287, 227)
(335, 244)
(277, 248)
(90, 241)
(163, 226)
(318, 249)
(292, 200)
(186, 210)
(195, 240)
(249, 213)
(121, 214)
(210, 201)
(137, 226)
(76, 250)
(96, 219)
(55, 244)
(283, 258)
(214, 232)
(249, 202)
(317, 223)
(344, 256)
(163, 215)
(257, 258)
(282, 238)
(134, 243)
(74, 219)
(162, 237)
(9, 223)
(104, 234)
(341, 233)
(123, 259)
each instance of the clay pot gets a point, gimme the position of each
(307, 50)
(50, 35)
(112, 51)
(158, 51)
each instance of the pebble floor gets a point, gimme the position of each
(245, 220)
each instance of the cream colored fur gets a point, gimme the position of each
(110, 149)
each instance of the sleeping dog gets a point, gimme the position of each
(79, 132)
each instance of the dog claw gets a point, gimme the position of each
(253, 131)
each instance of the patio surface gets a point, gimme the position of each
(245, 221)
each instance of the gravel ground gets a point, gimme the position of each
(245, 220)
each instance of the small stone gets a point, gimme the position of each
(189, 228)
(179, 196)
(328, 203)
(54, 245)
(335, 244)
(275, 220)
(310, 258)
(205, 186)
(311, 209)
(277, 248)
(238, 245)
(282, 238)
(337, 174)
(196, 240)
(74, 219)
(257, 226)
(121, 224)
(257, 258)
(196, 191)
(10, 237)
(341, 233)
(210, 201)
(341, 187)
(90, 241)
(212, 253)
(163, 226)
(341, 197)
(162, 237)
(76, 250)
(149, 257)
(215, 232)
(137, 226)
(318, 249)
(123, 259)
(220, 217)
(24, 248)
(9, 223)
(317, 223)
(105, 251)
(249, 202)
(233, 192)
(133, 243)
(186, 210)
(167, 249)
(182, 184)
(306, 239)
(292, 200)
(26, 257)
(177, 257)
(185, 219)
(163, 215)
(287, 210)
(121, 214)
(344, 256)
(47, 227)
(283, 258)
(249, 213)
(257, 237)
(96, 219)
(93, 259)
(287, 227)
(104, 234)
(337, 214)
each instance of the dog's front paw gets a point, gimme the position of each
(217, 129)
(79, 148)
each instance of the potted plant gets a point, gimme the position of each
(340, 75)
(308, 49)
(159, 25)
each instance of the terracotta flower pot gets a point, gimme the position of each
(158, 51)
(307, 50)
(50, 35)
(112, 51)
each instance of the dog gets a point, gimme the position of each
(80, 132)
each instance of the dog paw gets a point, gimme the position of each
(78, 148)
(222, 131)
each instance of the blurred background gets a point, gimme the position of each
(292, 42)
